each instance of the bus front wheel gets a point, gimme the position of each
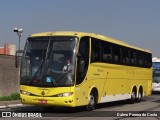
(92, 101)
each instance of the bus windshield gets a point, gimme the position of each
(49, 61)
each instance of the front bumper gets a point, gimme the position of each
(48, 101)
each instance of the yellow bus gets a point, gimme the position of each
(67, 68)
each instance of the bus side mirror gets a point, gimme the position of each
(19, 54)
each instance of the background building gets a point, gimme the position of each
(8, 49)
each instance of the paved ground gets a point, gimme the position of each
(5, 104)
(150, 104)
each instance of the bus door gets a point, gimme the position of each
(81, 72)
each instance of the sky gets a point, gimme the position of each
(136, 22)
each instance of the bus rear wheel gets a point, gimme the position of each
(133, 97)
(139, 97)
(92, 101)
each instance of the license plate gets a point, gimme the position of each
(42, 101)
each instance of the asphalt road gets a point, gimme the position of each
(148, 108)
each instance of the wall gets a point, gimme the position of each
(9, 80)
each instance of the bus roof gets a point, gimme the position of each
(81, 34)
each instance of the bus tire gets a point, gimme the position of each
(92, 101)
(133, 97)
(140, 95)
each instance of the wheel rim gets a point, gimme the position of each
(139, 96)
(91, 101)
(133, 95)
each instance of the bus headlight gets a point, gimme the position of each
(25, 93)
(63, 94)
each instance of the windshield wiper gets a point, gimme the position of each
(46, 57)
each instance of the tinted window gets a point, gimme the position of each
(103, 51)
(83, 60)
(96, 50)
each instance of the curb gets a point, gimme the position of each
(9, 106)
(2, 107)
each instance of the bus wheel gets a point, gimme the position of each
(139, 98)
(92, 102)
(133, 96)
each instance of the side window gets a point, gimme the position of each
(140, 59)
(82, 60)
(96, 50)
(116, 54)
(107, 52)
(125, 56)
(132, 57)
(148, 60)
